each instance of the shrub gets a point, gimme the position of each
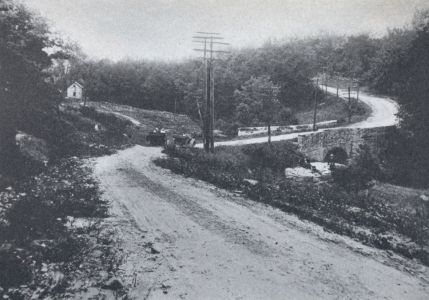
(359, 174)
(34, 230)
(276, 157)
(14, 269)
(226, 168)
(405, 160)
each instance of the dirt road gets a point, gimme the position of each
(383, 113)
(185, 239)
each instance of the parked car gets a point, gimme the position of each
(162, 137)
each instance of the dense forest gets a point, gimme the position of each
(178, 87)
(396, 64)
(291, 65)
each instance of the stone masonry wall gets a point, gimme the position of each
(317, 145)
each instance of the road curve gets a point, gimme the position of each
(186, 239)
(383, 113)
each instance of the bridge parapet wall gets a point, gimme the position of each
(317, 145)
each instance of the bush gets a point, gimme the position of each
(228, 128)
(406, 160)
(226, 168)
(276, 157)
(14, 269)
(34, 226)
(359, 174)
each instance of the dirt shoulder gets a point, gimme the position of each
(185, 239)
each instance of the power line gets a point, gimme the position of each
(209, 39)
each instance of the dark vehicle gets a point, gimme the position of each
(168, 140)
(184, 140)
(156, 138)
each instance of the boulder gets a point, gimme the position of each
(32, 148)
(114, 284)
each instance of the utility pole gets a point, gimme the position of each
(357, 92)
(325, 79)
(338, 88)
(270, 94)
(209, 39)
(349, 106)
(315, 105)
(212, 118)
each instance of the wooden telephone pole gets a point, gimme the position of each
(209, 39)
(349, 106)
(315, 106)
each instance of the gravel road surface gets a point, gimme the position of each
(186, 239)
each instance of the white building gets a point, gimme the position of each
(75, 91)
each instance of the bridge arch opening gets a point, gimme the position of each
(336, 155)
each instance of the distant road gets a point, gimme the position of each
(383, 113)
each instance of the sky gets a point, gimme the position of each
(163, 29)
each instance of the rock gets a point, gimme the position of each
(103, 275)
(153, 250)
(44, 268)
(32, 148)
(298, 172)
(165, 287)
(5, 247)
(114, 284)
(97, 253)
(57, 279)
(150, 248)
(250, 181)
(424, 197)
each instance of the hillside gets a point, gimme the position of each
(148, 120)
(97, 129)
(115, 125)
(333, 108)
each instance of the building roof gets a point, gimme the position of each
(77, 83)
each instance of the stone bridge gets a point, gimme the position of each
(342, 144)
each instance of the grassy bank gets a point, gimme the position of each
(335, 109)
(356, 214)
(150, 119)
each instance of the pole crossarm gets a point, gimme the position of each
(219, 43)
(212, 51)
(208, 37)
(203, 32)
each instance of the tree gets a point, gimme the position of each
(388, 62)
(360, 173)
(413, 98)
(26, 99)
(258, 101)
(407, 67)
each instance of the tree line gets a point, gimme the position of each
(178, 87)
